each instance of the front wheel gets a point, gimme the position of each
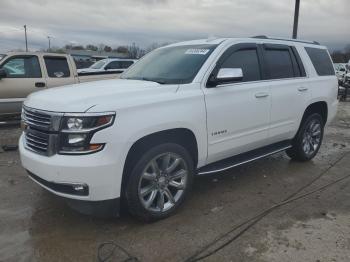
(159, 182)
(308, 140)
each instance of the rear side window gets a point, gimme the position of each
(125, 64)
(247, 60)
(279, 63)
(113, 65)
(321, 61)
(57, 67)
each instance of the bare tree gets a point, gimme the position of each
(91, 47)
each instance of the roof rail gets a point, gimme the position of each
(287, 39)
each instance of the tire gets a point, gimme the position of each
(308, 140)
(162, 170)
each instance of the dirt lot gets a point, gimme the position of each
(37, 226)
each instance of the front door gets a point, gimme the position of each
(23, 77)
(238, 112)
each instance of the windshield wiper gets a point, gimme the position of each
(159, 81)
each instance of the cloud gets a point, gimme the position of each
(119, 22)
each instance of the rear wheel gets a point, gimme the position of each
(308, 140)
(159, 182)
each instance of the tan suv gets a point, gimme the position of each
(26, 72)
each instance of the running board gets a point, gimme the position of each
(243, 158)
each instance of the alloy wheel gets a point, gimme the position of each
(312, 137)
(163, 182)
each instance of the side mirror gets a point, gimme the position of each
(229, 74)
(3, 73)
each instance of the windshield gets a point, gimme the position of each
(98, 64)
(171, 65)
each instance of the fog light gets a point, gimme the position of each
(76, 138)
(78, 187)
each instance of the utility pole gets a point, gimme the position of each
(49, 38)
(25, 37)
(296, 19)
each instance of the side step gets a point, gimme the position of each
(243, 158)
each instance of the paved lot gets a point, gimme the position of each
(37, 226)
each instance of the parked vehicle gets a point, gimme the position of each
(340, 70)
(23, 73)
(191, 108)
(108, 65)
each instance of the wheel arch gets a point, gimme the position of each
(183, 136)
(320, 107)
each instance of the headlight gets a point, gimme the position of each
(78, 129)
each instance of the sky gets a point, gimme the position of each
(144, 22)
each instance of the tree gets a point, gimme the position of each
(107, 48)
(77, 47)
(121, 49)
(135, 52)
(91, 47)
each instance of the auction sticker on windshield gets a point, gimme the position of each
(196, 51)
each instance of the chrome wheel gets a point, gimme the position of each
(312, 137)
(163, 182)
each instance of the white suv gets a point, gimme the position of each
(191, 108)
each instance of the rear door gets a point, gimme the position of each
(238, 112)
(59, 71)
(289, 90)
(24, 76)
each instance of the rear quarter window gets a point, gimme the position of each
(321, 61)
(57, 67)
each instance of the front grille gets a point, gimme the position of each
(40, 130)
(37, 141)
(36, 119)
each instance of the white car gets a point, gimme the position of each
(340, 70)
(187, 109)
(114, 65)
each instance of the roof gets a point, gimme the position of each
(33, 53)
(258, 39)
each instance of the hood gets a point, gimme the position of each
(108, 94)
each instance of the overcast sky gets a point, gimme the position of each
(121, 22)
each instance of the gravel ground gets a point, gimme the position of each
(38, 226)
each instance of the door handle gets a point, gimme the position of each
(261, 95)
(40, 84)
(302, 89)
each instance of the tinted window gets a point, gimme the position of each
(247, 60)
(114, 65)
(279, 63)
(321, 61)
(57, 66)
(125, 64)
(22, 67)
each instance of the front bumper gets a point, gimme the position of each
(97, 176)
